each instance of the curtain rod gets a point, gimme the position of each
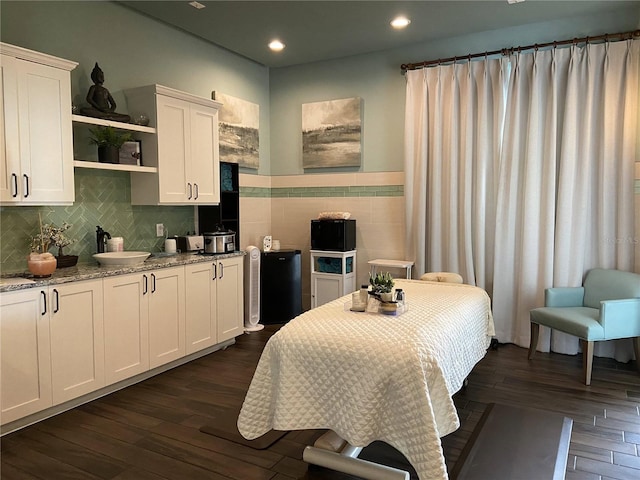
(508, 51)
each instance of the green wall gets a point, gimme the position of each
(102, 198)
(134, 50)
(377, 79)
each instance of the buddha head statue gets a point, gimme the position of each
(97, 75)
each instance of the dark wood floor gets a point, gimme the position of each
(150, 431)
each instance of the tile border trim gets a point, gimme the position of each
(307, 192)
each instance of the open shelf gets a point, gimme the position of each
(83, 120)
(227, 212)
(109, 123)
(113, 166)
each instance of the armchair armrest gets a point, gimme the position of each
(620, 318)
(564, 297)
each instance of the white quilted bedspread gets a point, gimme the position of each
(372, 376)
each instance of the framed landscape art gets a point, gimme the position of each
(239, 122)
(332, 133)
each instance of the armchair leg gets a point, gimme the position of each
(587, 360)
(636, 350)
(533, 343)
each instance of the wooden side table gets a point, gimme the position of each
(381, 262)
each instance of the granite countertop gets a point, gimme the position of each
(89, 271)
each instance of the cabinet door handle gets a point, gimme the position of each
(153, 283)
(57, 295)
(221, 270)
(215, 271)
(190, 191)
(15, 185)
(26, 185)
(44, 302)
(197, 195)
(145, 286)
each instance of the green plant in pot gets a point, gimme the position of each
(108, 140)
(382, 286)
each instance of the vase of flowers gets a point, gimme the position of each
(50, 236)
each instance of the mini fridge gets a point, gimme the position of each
(280, 286)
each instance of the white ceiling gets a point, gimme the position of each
(322, 30)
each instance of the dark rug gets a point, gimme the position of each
(385, 454)
(378, 452)
(226, 427)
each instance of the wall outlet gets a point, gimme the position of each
(159, 230)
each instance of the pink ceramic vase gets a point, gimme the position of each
(41, 265)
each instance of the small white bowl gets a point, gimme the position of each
(121, 258)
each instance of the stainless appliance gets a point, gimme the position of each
(221, 241)
(190, 243)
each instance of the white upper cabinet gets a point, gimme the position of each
(184, 149)
(36, 151)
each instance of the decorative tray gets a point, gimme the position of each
(376, 306)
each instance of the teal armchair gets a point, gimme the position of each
(606, 307)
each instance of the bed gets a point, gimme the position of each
(370, 377)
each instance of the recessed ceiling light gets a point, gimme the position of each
(276, 45)
(400, 22)
(514, 1)
(197, 5)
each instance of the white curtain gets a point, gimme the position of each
(453, 131)
(525, 218)
(595, 212)
(560, 195)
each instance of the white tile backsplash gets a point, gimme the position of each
(379, 219)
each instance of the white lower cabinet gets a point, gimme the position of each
(61, 342)
(126, 326)
(77, 339)
(25, 383)
(230, 311)
(201, 297)
(325, 288)
(166, 316)
(51, 346)
(215, 310)
(144, 321)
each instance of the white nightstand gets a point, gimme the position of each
(381, 262)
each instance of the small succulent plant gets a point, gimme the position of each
(381, 283)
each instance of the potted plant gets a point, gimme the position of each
(382, 286)
(108, 140)
(53, 236)
(40, 262)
